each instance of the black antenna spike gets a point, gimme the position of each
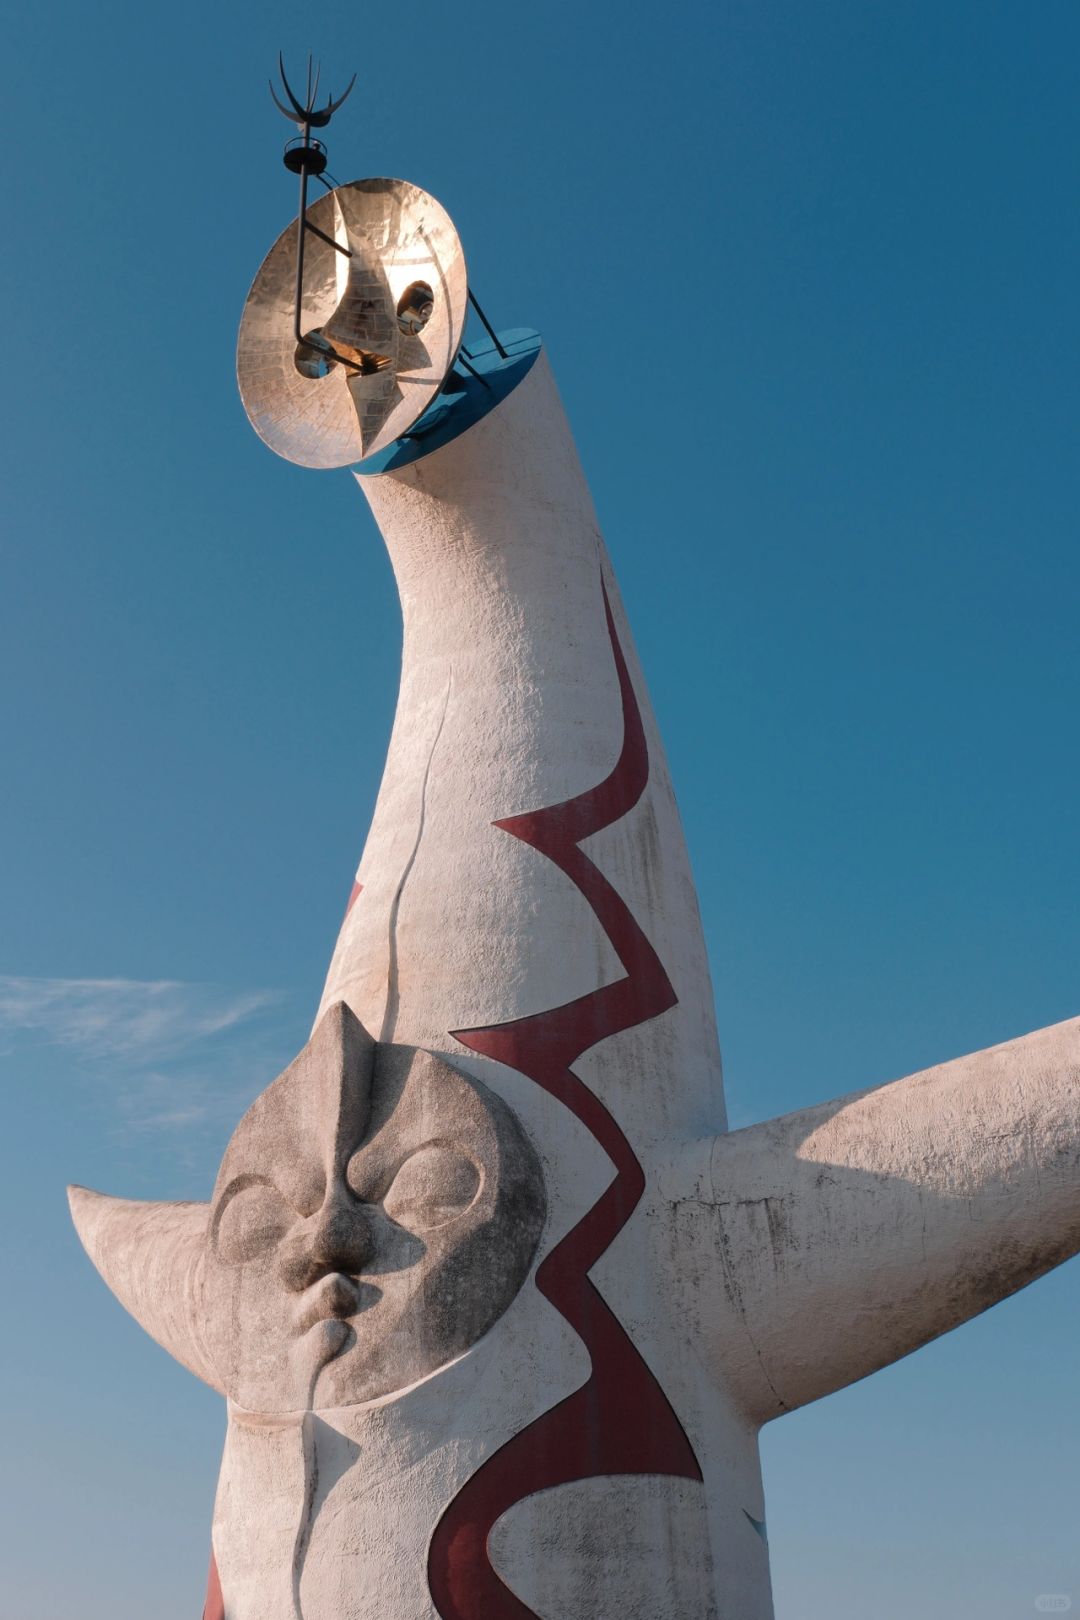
(332, 106)
(307, 115)
(288, 111)
(301, 113)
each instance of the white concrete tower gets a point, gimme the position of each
(498, 1305)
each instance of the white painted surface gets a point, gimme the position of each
(760, 1270)
(509, 702)
(898, 1214)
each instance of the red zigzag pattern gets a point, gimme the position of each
(619, 1421)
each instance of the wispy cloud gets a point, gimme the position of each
(162, 1055)
(124, 1018)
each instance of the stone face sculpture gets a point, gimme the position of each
(498, 1303)
(375, 1212)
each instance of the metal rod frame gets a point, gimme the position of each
(329, 240)
(303, 226)
(491, 332)
(473, 371)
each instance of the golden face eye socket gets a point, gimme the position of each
(311, 356)
(415, 308)
(435, 1185)
(251, 1223)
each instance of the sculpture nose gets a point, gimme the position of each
(338, 1237)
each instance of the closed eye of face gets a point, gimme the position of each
(251, 1222)
(435, 1185)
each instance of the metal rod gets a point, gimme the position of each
(342, 359)
(329, 240)
(303, 226)
(487, 325)
(473, 371)
(300, 234)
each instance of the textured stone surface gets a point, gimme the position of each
(375, 1212)
(151, 1256)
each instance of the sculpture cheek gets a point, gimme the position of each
(434, 1186)
(250, 1222)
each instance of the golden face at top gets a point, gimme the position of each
(383, 312)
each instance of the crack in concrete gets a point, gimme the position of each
(393, 996)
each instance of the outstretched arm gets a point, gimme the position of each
(845, 1236)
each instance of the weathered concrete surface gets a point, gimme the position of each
(852, 1233)
(151, 1256)
(374, 1214)
(579, 1438)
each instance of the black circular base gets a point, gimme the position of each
(309, 155)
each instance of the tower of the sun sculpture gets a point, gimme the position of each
(497, 1304)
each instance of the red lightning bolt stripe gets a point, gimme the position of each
(619, 1421)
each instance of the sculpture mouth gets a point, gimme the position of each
(335, 1297)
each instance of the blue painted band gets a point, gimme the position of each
(468, 400)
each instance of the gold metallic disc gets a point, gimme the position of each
(381, 326)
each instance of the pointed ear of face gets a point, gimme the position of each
(152, 1257)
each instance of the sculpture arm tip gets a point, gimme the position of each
(847, 1235)
(150, 1256)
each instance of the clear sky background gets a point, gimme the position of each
(808, 273)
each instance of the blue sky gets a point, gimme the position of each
(807, 274)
